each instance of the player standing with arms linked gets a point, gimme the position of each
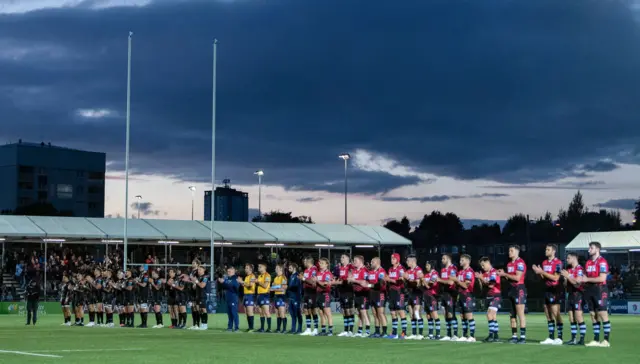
(249, 290)
(515, 274)
(597, 294)
(490, 279)
(465, 280)
(395, 282)
(264, 300)
(361, 295)
(309, 286)
(156, 294)
(323, 300)
(412, 279)
(430, 286)
(449, 296)
(144, 290)
(576, 298)
(553, 296)
(279, 289)
(378, 297)
(346, 295)
(200, 281)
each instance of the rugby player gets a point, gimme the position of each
(395, 283)
(144, 290)
(65, 300)
(264, 300)
(118, 287)
(324, 281)
(553, 296)
(309, 296)
(449, 296)
(597, 294)
(490, 279)
(96, 298)
(576, 298)
(129, 299)
(172, 297)
(200, 281)
(412, 279)
(346, 295)
(378, 297)
(78, 300)
(294, 295)
(515, 274)
(249, 290)
(465, 280)
(190, 293)
(156, 294)
(108, 294)
(361, 289)
(279, 289)
(181, 298)
(430, 291)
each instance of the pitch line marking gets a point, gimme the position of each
(28, 354)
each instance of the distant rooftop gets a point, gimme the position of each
(43, 145)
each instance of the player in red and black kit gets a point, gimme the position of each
(412, 278)
(361, 295)
(575, 290)
(430, 291)
(309, 296)
(515, 274)
(465, 281)
(346, 295)
(449, 296)
(597, 294)
(490, 279)
(378, 297)
(324, 280)
(395, 284)
(554, 295)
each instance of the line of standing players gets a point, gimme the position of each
(411, 291)
(104, 295)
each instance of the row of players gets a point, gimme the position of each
(410, 289)
(104, 296)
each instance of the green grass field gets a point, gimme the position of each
(53, 343)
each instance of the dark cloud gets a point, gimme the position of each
(586, 185)
(440, 198)
(621, 204)
(513, 91)
(600, 166)
(310, 199)
(146, 209)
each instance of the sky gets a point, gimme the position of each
(481, 108)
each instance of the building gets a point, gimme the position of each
(70, 180)
(230, 204)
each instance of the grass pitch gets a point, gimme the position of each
(48, 342)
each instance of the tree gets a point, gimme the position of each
(282, 217)
(402, 227)
(636, 216)
(437, 228)
(516, 229)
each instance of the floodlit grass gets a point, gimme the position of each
(71, 345)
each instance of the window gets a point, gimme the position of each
(64, 191)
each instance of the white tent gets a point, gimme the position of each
(611, 241)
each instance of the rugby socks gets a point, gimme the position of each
(523, 333)
(268, 323)
(330, 330)
(551, 326)
(368, 330)
(262, 323)
(414, 327)
(560, 327)
(493, 328)
(514, 332)
(352, 323)
(204, 318)
(346, 323)
(574, 330)
(437, 324)
(583, 330)
(132, 317)
(195, 317)
(394, 326)
(143, 317)
(158, 318)
(607, 329)
(403, 325)
(174, 322)
(465, 327)
(420, 326)
(308, 320)
(121, 318)
(472, 328)
(384, 330)
(324, 329)
(109, 318)
(315, 322)
(430, 326)
(278, 324)
(250, 321)
(449, 327)
(92, 316)
(454, 323)
(100, 318)
(284, 324)
(377, 330)
(596, 331)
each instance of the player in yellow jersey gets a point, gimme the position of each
(249, 288)
(264, 299)
(279, 288)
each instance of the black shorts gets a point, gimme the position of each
(171, 301)
(201, 301)
(553, 296)
(448, 302)
(415, 298)
(64, 302)
(309, 301)
(430, 303)
(346, 300)
(396, 300)
(577, 302)
(597, 298)
(378, 299)
(466, 303)
(323, 300)
(517, 296)
(361, 301)
(494, 303)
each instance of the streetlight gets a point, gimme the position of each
(193, 195)
(345, 157)
(259, 173)
(138, 198)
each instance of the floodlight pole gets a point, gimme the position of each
(213, 160)
(126, 157)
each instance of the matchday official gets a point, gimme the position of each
(231, 288)
(33, 299)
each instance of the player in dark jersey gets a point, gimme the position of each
(361, 298)
(119, 286)
(170, 285)
(429, 285)
(90, 300)
(144, 293)
(575, 290)
(79, 298)
(378, 297)
(465, 281)
(412, 278)
(515, 275)
(181, 298)
(157, 291)
(108, 296)
(395, 283)
(490, 280)
(554, 295)
(190, 294)
(97, 287)
(129, 299)
(449, 296)
(200, 281)
(346, 294)
(597, 294)
(65, 300)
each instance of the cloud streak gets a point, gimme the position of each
(439, 198)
